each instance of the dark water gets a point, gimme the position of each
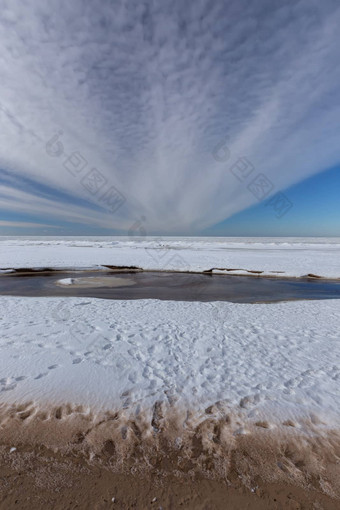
(172, 286)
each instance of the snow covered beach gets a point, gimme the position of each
(207, 380)
(278, 361)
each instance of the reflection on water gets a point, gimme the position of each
(166, 286)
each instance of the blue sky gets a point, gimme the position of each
(165, 117)
(314, 211)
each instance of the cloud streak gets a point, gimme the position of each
(23, 224)
(145, 91)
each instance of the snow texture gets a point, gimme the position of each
(278, 361)
(268, 256)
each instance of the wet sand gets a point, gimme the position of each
(40, 479)
(70, 457)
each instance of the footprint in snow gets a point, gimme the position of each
(40, 376)
(76, 361)
(9, 387)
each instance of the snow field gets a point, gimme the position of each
(276, 362)
(270, 256)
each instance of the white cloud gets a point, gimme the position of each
(24, 224)
(145, 94)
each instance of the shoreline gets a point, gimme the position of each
(293, 257)
(167, 445)
(132, 284)
(105, 268)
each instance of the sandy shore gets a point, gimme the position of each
(71, 457)
(40, 478)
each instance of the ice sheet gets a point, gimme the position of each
(269, 256)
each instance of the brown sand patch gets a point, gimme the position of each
(178, 453)
(40, 478)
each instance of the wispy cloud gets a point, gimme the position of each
(145, 91)
(24, 224)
